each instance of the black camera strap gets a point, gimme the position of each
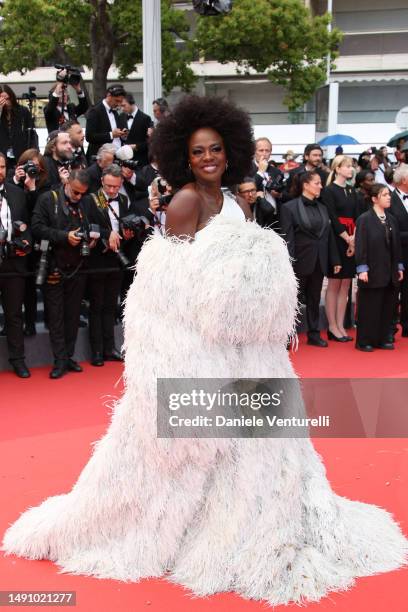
(8, 219)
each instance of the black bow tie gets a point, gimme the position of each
(130, 117)
(404, 196)
(111, 110)
(110, 200)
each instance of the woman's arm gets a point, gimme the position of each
(182, 214)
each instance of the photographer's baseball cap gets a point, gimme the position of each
(116, 90)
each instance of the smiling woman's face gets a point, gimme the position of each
(206, 155)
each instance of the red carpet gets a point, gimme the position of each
(48, 426)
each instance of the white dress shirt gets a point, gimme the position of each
(114, 221)
(112, 120)
(5, 215)
(404, 201)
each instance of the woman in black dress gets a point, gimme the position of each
(16, 127)
(342, 204)
(380, 269)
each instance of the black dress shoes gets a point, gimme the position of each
(29, 330)
(331, 336)
(73, 366)
(60, 368)
(366, 348)
(97, 360)
(387, 346)
(113, 356)
(21, 369)
(317, 342)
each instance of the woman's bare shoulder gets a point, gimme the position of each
(183, 212)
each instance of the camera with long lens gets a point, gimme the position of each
(31, 169)
(212, 7)
(17, 242)
(126, 163)
(3, 243)
(31, 95)
(123, 260)
(42, 272)
(136, 224)
(72, 75)
(87, 233)
(275, 183)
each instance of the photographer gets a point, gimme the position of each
(77, 137)
(104, 158)
(59, 109)
(15, 242)
(16, 127)
(58, 157)
(31, 177)
(58, 217)
(265, 214)
(104, 286)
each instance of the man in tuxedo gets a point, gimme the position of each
(104, 286)
(266, 175)
(140, 127)
(59, 109)
(13, 266)
(104, 158)
(103, 124)
(399, 210)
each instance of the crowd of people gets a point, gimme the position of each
(73, 223)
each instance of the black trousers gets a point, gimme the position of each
(30, 293)
(375, 314)
(63, 303)
(12, 296)
(104, 291)
(128, 276)
(403, 303)
(310, 287)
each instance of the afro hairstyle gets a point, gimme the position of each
(170, 139)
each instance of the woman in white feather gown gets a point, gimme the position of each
(254, 516)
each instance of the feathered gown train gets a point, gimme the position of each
(255, 516)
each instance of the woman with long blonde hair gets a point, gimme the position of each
(341, 201)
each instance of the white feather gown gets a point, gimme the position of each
(254, 516)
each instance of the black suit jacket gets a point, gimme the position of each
(53, 221)
(95, 177)
(304, 246)
(372, 250)
(16, 200)
(100, 257)
(98, 128)
(138, 135)
(398, 211)
(53, 116)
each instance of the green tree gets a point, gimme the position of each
(277, 37)
(94, 33)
